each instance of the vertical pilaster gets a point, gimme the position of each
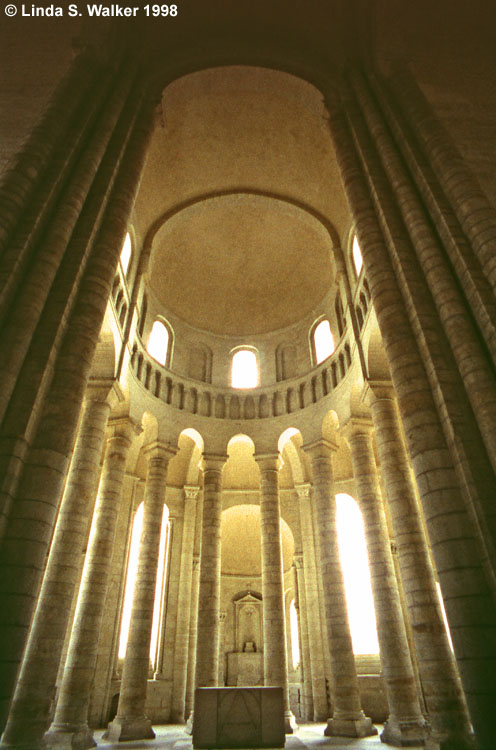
(222, 646)
(302, 612)
(181, 648)
(405, 725)
(131, 721)
(35, 687)
(312, 613)
(193, 632)
(274, 631)
(348, 718)
(70, 724)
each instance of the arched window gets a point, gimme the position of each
(132, 571)
(244, 373)
(355, 566)
(158, 342)
(323, 341)
(295, 640)
(357, 256)
(126, 253)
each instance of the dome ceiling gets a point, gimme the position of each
(241, 264)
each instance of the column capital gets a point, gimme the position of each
(357, 426)
(298, 560)
(158, 448)
(321, 448)
(268, 461)
(378, 390)
(214, 461)
(123, 427)
(190, 492)
(104, 390)
(304, 490)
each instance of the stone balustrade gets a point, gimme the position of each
(208, 400)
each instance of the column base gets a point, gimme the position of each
(290, 724)
(361, 727)
(189, 724)
(404, 733)
(124, 728)
(69, 737)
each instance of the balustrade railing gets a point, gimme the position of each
(196, 397)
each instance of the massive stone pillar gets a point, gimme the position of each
(35, 687)
(181, 648)
(348, 719)
(131, 722)
(439, 430)
(207, 647)
(70, 724)
(405, 725)
(305, 660)
(315, 635)
(274, 631)
(441, 686)
(40, 423)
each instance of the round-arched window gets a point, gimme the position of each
(323, 341)
(244, 373)
(158, 342)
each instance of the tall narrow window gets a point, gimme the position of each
(126, 254)
(132, 572)
(295, 641)
(323, 341)
(158, 342)
(244, 372)
(355, 566)
(357, 256)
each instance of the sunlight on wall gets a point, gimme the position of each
(355, 566)
(159, 602)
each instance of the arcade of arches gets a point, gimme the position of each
(248, 325)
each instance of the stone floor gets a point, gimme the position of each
(309, 736)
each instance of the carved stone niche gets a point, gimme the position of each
(245, 664)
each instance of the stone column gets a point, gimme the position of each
(207, 646)
(405, 725)
(181, 648)
(70, 724)
(38, 489)
(193, 631)
(439, 677)
(131, 722)
(274, 632)
(306, 665)
(463, 548)
(348, 719)
(35, 687)
(315, 635)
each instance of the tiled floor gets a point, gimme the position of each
(311, 736)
